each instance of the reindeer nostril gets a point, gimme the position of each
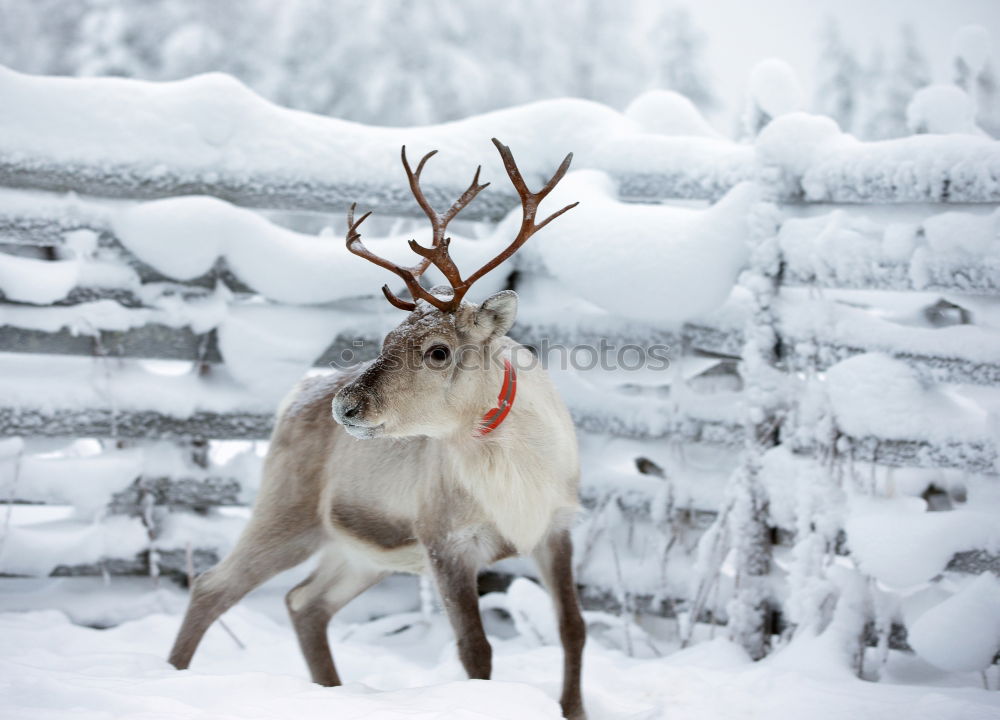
(353, 410)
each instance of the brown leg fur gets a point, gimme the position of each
(555, 563)
(314, 601)
(456, 582)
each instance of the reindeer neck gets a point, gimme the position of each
(491, 404)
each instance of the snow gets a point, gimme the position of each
(696, 475)
(962, 633)
(813, 157)
(61, 384)
(652, 167)
(600, 408)
(973, 235)
(404, 665)
(875, 395)
(212, 127)
(677, 263)
(218, 531)
(793, 142)
(163, 307)
(899, 543)
(941, 109)
(184, 237)
(37, 548)
(39, 540)
(665, 112)
(11, 447)
(212, 130)
(607, 269)
(41, 282)
(36, 281)
(530, 608)
(811, 320)
(851, 248)
(84, 482)
(775, 88)
(269, 348)
(186, 46)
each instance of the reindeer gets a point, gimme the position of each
(393, 466)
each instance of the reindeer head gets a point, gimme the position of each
(437, 366)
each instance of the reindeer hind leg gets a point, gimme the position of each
(555, 564)
(312, 603)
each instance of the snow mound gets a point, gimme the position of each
(36, 549)
(268, 348)
(211, 127)
(659, 264)
(531, 609)
(184, 237)
(665, 112)
(875, 395)
(903, 545)
(793, 142)
(50, 383)
(775, 88)
(962, 634)
(85, 482)
(941, 109)
(39, 282)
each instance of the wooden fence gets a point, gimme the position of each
(761, 349)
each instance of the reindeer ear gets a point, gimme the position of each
(494, 317)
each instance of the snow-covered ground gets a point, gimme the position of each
(889, 342)
(403, 665)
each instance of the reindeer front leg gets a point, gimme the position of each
(456, 581)
(555, 563)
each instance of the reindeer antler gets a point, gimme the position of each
(529, 206)
(438, 252)
(410, 275)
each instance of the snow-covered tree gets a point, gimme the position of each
(872, 94)
(973, 71)
(679, 57)
(38, 37)
(374, 61)
(103, 47)
(599, 68)
(125, 38)
(423, 69)
(837, 78)
(306, 65)
(890, 92)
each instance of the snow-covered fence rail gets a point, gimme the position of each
(210, 135)
(95, 284)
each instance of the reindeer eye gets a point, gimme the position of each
(437, 355)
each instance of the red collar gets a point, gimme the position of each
(505, 401)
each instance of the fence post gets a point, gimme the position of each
(749, 529)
